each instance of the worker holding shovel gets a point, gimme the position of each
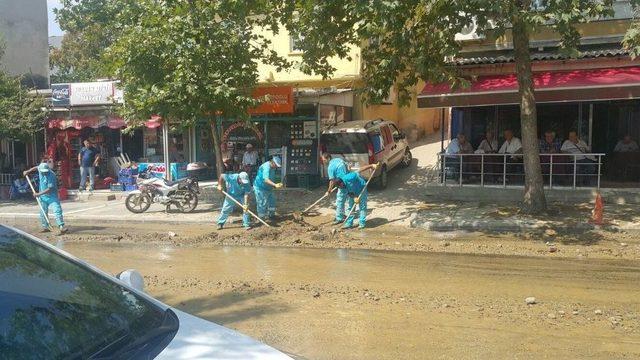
(237, 186)
(336, 168)
(356, 188)
(47, 195)
(263, 187)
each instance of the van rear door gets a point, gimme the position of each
(353, 147)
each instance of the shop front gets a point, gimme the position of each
(282, 126)
(287, 124)
(599, 105)
(86, 111)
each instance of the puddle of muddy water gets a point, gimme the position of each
(360, 304)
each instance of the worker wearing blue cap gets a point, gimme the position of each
(336, 168)
(263, 187)
(48, 194)
(237, 186)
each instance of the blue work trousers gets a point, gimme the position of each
(266, 203)
(227, 209)
(362, 208)
(53, 203)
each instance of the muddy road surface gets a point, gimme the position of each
(364, 304)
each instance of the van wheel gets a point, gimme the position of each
(406, 159)
(383, 179)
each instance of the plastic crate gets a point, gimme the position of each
(130, 187)
(116, 187)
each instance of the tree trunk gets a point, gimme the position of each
(216, 147)
(534, 199)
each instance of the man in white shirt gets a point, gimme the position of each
(489, 145)
(250, 160)
(626, 145)
(459, 145)
(574, 145)
(512, 145)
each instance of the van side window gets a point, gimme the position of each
(376, 141)
(388, 139)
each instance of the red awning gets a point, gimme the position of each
(550, 86)
(87, 121)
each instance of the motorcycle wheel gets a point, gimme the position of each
(138, 203)
(190, 202)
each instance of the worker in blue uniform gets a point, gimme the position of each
(336, 168)
(238, 187)
(48, 195)
(263, 187)
(355, 186)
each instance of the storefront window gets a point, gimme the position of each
(154, 151)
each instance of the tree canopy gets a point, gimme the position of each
(21, 114)
(404, 42)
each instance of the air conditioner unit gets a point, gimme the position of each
(469, 32)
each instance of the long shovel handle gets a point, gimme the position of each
(242, 206)
(317, 202)
(361, 192)
(46, 218)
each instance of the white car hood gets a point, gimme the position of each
(200, 339)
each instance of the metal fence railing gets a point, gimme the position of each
(558, 170)
(6, 179)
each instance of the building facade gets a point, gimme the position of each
(596, 95)
(24, 37)
(339, 90)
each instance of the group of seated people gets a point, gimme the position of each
(489, 145)
(549, 144)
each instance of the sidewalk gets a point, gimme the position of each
(404, 203)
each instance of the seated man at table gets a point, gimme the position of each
(626, 145)
(460, 145)
(574, 145)
(511, 145)
(550, 144)
(489, 145)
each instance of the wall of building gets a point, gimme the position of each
(346, 70)
(24, 34)
(414, 121)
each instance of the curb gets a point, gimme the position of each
(16, 218)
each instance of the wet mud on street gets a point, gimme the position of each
(362, 304)
(323, 294)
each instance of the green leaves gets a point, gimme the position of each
(407, 41)
(21, 114)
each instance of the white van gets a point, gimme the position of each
(366, 142)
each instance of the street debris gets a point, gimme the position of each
(530, 300)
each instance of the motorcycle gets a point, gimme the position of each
(182, 193)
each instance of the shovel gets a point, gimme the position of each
(46, 218)
(359, 195)
(242, 206)
(298, 215)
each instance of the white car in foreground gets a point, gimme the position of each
(55, 306)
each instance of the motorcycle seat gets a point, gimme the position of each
(170, 183)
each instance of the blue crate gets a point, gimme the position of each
(116, 187)
(130, 187)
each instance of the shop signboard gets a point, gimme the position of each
(60, 94)
(276, 100)
(88, 93)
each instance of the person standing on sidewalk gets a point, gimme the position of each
(48, 194)
(354, 185)
(336, 168)
(250, 160)
(237, 186)
(88, 159)
(263, 187)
